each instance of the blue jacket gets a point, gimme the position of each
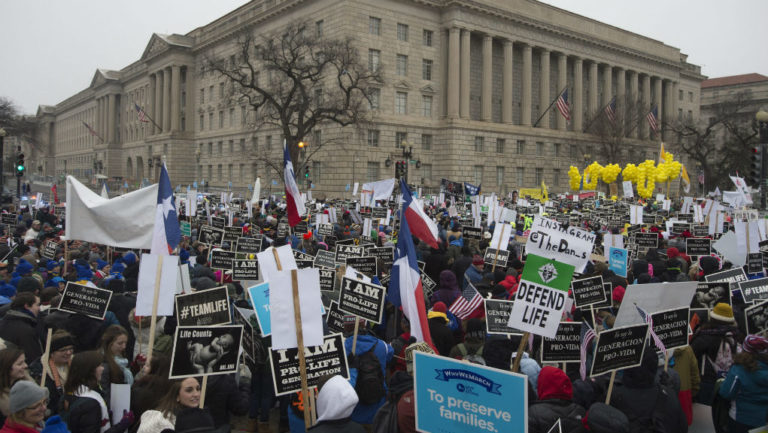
(472, 274)
(363, 414)
(748, 392)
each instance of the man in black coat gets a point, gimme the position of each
(441, 334)
(19, 326)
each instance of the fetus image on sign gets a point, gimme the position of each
(205, 357)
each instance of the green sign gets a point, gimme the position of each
(548, 272)
(186, 228)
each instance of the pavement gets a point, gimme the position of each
(702, 419)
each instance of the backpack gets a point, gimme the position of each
(475, 357)
(370, 379)
(385, 420)
(652, 423)
(67, 405)
(724, 357)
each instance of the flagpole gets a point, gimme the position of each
(150, 118)
(550, 106)
(602, 111)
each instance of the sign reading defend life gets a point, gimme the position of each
(541, 295)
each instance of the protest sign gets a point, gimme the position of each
(148, 269)
(328, 358)
(85, 300)
(700, 231)
(325, 230)
(345, 251)
(366, 265)
(282, 230)
(365, 300)
(647, 240)
(49, 250)
(428, 285)
(672, 327)
(754, 290)
(496, 257)
(252, 346)
(232, 234)
(218, 222)
(186, 228)
(221, 259)
(9, 219)
(379, 213)
(472, 233)
(754, 263)
(245, 269)
(298, 255)
(678, 228)
(734, 275)
(568, 245)
(540, 296)
(652, 298)
(205, 350)
(698, 247)
(303, 264)
(588, 291)
(619, 348)
(385, 254)
(301, 228)
(756, 318)
(281, 307)
(205, 308)
(497, 317)
(617, 261)
(460, 397)
(259, 296)
(565, 347)
(327, 279)
(249, 245)
(325, 259)
(336, 318)
(211, 235)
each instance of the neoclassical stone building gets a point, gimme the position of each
(465, 83)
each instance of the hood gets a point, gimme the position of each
(644, 375)
(448, 281)
(336, 400)
(554, 383)
(509, 282)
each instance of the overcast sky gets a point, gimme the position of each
(51, 48)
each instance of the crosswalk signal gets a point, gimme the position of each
(756, 165)
(20, 165)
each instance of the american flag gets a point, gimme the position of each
(652, 116)
(701, 177)
(610, 110)
(467, 303)
(142, 114)
(90, 130)
(562, 105)
(649, 320)
(585, 340)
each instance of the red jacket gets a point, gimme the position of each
(12, 427)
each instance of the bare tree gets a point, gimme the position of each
(15, 123)
(296, 82)
(613, 133)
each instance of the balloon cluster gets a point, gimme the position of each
(592, 175)
(610, 172)
(574, 178)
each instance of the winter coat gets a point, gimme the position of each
(153, 421)
(12, 427)
(20, 328)
(448, 289)
(442, 337)
(384, 352)
(85, 417)
(460, 266)
(687, 369)
(473, 275)
(748, 392)
(706, 342)
(335, 403)
(555, 393)
(223, 396)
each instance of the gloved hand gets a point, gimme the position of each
(127, 419)
(55, 424)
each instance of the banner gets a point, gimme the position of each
(205, 350)
(205, 308)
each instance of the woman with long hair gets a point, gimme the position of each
(13, 368)
(115, 365)
(151, 385)
(62, 348)
(746, 385)
(184, 393)
(88, 411)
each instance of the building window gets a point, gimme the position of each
(202, 122)
(268, 142)
(574, 151)
(402, 32)
(373, 137)
(426, 103)
(520, 147)
(210, 148)
(401, 102)
(319, 29)
(374, 26)
(219, 172)
(374, 59)
(221, 90)
(241, 172)
(426, 142)
(400, 138)
(539, 148)
(520, 176)
(556, 177)
(680, 114)
(210, 120)
(680, 95)
(401, 66)
(210, 93)
(254, 171)
(221, 119)
(255, 143)
(477, 173)
(242, 146)
(242, 115)
(231, 117)
(539, 176)
(690, 96)
(231, 147)
(426, 38)
(557, 148)
(374, 98)
(690, 116)
(230, 172)
(479, 142)
(220, 147)
(500, 142)
(210, 173)
(426, 171)
(316, 171)
(372, 171)
(426, 69)
(202, 95)
(499, 175)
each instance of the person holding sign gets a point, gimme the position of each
(113, 343)
(182, 394)
(336, 400)
(746, 385)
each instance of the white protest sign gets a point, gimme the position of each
(281, 308)
(570, 245)
(268, 265)
(146, 284)
(716, 220)
(635, 214)
(742, 189)
(687, 203)
(747, 236)
(119, 400)
(627, 185)
(616, 241)
(354, 189)
(508, 215)
(653, 298)
(501, 236)
(666, 204)
(728, 247)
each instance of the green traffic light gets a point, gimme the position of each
(20, 168)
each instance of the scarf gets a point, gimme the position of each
(84, 391)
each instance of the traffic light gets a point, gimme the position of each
(756, 165)
(306, 172)
(20, 165)
(399, 169)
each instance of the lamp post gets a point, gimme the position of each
(762, 123)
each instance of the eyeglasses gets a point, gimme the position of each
(66, 349)
(38, 405)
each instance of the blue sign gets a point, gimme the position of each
(454, 396)
(617, 261)
(259, 295)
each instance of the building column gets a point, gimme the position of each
(97, 118)
(646, 106)
(562, 81)
(578, 95)
(190, 107)
(104, 124)
(110, 119)
(632, 104)
(607, 85)
(487, 107)
(658, 101)
(527, 90)
(506, 102)
(464, 95)
(621, 97)
(452, 97)
(167, 100)
(544, 77)
(593, 108)
(175, 97)
(159, 102)
(151, 101)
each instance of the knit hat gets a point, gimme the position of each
(554, 384)
(307, 235)
(118, 268)
(83, 271)
(28, 284)
(129, 258)
(722, 312)
(100, 264)
(755, 344)
(477, 260)
(183, 256)
(709, 265)
(55, 424)
(51, 264)
(618, 293)
(61, 342)
(475, 329)
(439, 307)
(24, 394)
(24, 267)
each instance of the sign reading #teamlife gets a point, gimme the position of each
(757, 318)
(619, 348)
(328, 359)
(672, 327)
(205, 350)
(540, 297)
(497, 317)
(588, 291)
(221, 259)
(85, 300)
(345, 251)
(698, 247)
(617, 261)
(734, 275)
(565, 347)
(459, 397)
(203, 308)
(647, 240)
(210, 235)
(499, 257)
(249, 245)
(472, 233)
(754, 290)
(245, 269)
(365, 300)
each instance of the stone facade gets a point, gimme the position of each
(477, 76)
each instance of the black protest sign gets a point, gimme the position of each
(303, 264)
(336, 318)
(205, 350)
(497, 257)
(252, 347)
(9, 219)
(204, 308)
(588, 291)
(345, 251)
(565, 347)
(249, 245)
(379, 213)
(754, 290)
(698, 247)
(637, 228)
(298, 255)
(647, 240)
(619, 348)
(428, 285)
(472, 233)
(680, 227)
(754, 263)
(361, 299)
(649, 218)
(218, 222)
(756, 318)
(497, 316)
(385, 254)
(325, 229)
(282, 230)
(700, 231)
(365, 265)
(85, 300)
(687, 217)
(210, 235)
(221, 259)
(49, 250)
(232, 234)
(329, 359)
(731, 275)
(325, 259)
(671, 326)
(710, 294)
(301, 228)
(331, 242)
(245, 269)
(327, 279)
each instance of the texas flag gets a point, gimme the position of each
(292, 195)
(405, 283)
(421, 225)
(167, 234)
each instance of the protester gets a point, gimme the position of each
(555, 395)
(19, 326)
(336, 400)
(13, 368)
(26, 407)
(113, 343)
(183, 393)
(715, 343)
(746, 385)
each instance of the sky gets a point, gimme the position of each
(51, 48)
